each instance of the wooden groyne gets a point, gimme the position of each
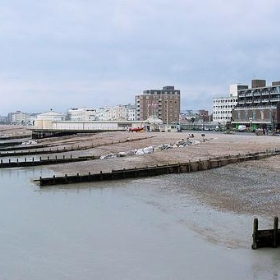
(46, 149)
(47, 161)
(29, 152)
(147, 171)
(266, 237)
(7, 144)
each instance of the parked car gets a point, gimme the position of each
(241, 128)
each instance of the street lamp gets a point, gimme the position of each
(273, 122)
(250, 119)
(203, 122)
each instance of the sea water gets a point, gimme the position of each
(131, 229)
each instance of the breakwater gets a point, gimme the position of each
(173, 168)
(265, 237)
(47, 161)
(47, 149)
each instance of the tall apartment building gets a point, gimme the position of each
(259, 106)
(223, 106)
(163, 103)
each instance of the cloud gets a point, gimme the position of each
(95, 52)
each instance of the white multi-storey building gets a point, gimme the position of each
(131, 112)
(223, 106)
(115, 113)
(18, 117)
(122, 112)
(81, 114)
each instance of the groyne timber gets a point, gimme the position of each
(173, 168)
(266, 237)
(46, 161)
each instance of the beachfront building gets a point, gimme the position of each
(122, 112)
(130, 112)
(258, 106)
(223, 106)
(20, 118)
(81, 114)
(115, 113)
(163, 103)
(46, 120)
(102, 114)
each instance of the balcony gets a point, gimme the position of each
(274, 99)
(257, 100)
(249, 94)
(265, 93)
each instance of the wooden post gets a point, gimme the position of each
(255, 234)
(275, 232)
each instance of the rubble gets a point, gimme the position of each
(151, 149)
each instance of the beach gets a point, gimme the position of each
(194, 225)
(248, 187)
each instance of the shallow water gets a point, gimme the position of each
(133, 229)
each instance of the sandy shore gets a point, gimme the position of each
(249, 187)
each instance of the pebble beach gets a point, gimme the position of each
(250, 187)
(194, 225)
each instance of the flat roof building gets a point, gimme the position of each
(223, 106)
(163, 103)
(259, 106)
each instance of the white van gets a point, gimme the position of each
(241, 127)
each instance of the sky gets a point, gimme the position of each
(58, 54)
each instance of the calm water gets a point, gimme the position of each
(139, 229)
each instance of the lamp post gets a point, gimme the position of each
(273, 123)
(203, 122)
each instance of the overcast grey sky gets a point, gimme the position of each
(76, 53)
